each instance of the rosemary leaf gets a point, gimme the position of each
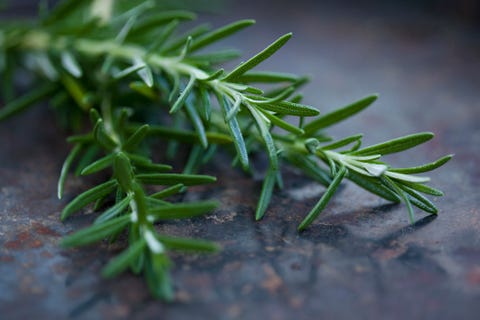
(257, 59)
(338, 115)
(96, 232)
(121, 262)
(88, 197)
(324, 199)
(174, 178)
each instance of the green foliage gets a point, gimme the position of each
(93, 58)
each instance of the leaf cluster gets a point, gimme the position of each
(129, 68)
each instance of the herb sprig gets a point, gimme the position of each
(125, 65)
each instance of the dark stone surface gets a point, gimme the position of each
(360, 260)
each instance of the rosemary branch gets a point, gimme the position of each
(96, 57)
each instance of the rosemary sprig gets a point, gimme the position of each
(93, 57)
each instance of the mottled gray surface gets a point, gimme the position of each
(360, 260)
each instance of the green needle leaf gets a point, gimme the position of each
(343, 142)
(27, 100)
(63, 10)
(123, 171)
(395, 145)
(266, 194)
(98, 165)
(114, 211)
(266, 77)
(291, 108)
(339, 115)
(152, 22)
(235, 132)
(168, 191)
(424, 168)
(87, 197)
(196, 122)
(419, 201)
(121, 262)
(219, 33)
(373, 185)
(266, 137)
(390, 183)
(188, 136)
(281, 123)
(183, 96)
(66, 166)
(183, 210)
(186, 244)
(136, 138)
(174, 178)
(257, 59)
(102, 137)
(96, 232)
(324, 199)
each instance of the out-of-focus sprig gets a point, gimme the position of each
(125, 64)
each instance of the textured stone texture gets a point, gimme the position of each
(361, 259)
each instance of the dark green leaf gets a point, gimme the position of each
(114, 211)
(63, 10)
(136, 138)
(424, 168)
(219, 33)
(373, 185)
(264, 131)
(186, 244)
(183, 96)
(168, 191)
(338, 115)
(183, 210)
(290, 108)
(406, 199)
(98, 165)
(324, 199)
(310, 168)
(395, 145)
(194, 159)
(196, 122)
(266, 194)
(88, 197)
(174, 178)
(160, 39)
(213, 76)
(215, 57)
(205, 104)
(77, 92)
(188, 136)
(281, 123)
(123, 172)
(102, 137)
(154, 21)
(180, 41)
(144, 90)
(66, 166)
(419, 201)
(87, 158)
(235, 132)
(158, 279)
(27, 100)
(96, 232)
(121, 262)
(267, 77)
(258, 58)
(423, 188)
(343, 142)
